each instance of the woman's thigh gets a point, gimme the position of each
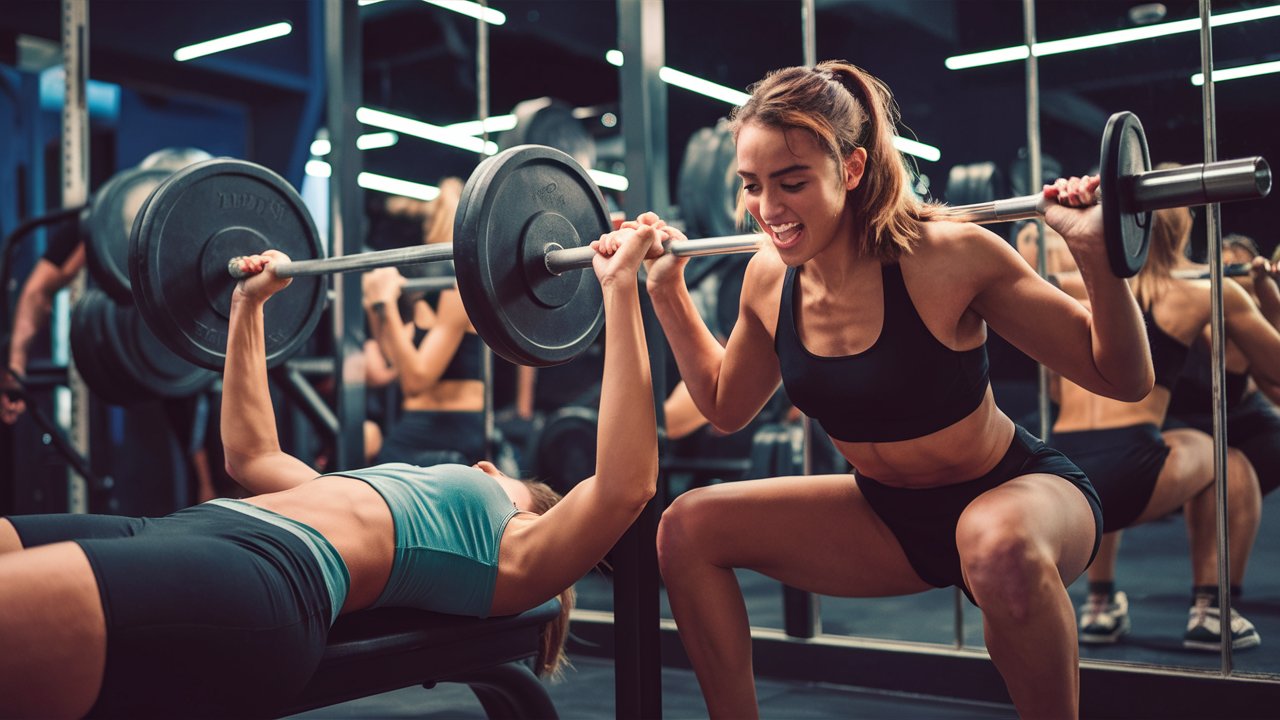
(52, 633)
(1045, 511)
(1186, 472)
(815, 533)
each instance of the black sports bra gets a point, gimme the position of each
(906, 385)
(1168, 356)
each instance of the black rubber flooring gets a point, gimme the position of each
(587, 692)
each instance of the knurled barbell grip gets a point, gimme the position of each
(1184, 186)
(395, 257)
(559, 260)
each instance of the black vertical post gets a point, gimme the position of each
(638, 659)
(343, 63)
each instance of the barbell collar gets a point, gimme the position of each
(395, 257)
(558, 260)
(1202, 184)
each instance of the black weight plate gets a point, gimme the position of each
(550, 122)
(194, 223)
(974, 183)
(1127, 230)
(694, 168)
(512, 206)
(566, 448)
(722, 184)
(174, 158)
(149, 362)
(92, 352)
(114, 208)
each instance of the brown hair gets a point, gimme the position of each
(551, 661)
(844, 108)
(1170, 230)
(1244, 242)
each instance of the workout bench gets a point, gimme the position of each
(376, 651)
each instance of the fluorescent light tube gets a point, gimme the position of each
(426, 131)
(1115, 37)
(240, 39)
(609, 180)
(470, 9)
(696, 84)
(496, 123)
(381, 183)
(369, 141)
(1234, 73)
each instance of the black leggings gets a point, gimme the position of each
(209, 612)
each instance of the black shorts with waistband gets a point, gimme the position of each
(209, 612)
(924, 520)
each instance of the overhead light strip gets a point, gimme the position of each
(368, 141)
(381, 183)
(729, 95)
(1235, 73)
(608, 180)
(1114, 37)
(426, 131)
(240, 39)
(470, 9)
(496, 123)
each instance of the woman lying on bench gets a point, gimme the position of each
(224, 608)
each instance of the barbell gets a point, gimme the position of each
(526, 218)
(1228, 270)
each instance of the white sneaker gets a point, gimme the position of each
(1104, 620)
(1204, 628)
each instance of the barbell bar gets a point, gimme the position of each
(1228, 270)
(525, 217)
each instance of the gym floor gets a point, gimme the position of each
(1153, 570)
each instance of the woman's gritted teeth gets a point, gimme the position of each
(786, 234)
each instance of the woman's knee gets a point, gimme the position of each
(9, 540)
(681, 527)
(1005, 566)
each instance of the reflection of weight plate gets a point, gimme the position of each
(708, 189)
(975, 183)
(545, 121)
(121, 361)
(193, 224)
(514, 206)
(111, 218)
(723, 184)
(565, 454)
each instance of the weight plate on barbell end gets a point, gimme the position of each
(114, 208)
(1127, 229)
(191, 226)
(508, 206)
(550, 122)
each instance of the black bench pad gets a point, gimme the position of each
(376, 651)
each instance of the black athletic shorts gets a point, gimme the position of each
(1253, 428)
(924, 520)
(209, 612)
(430, 437)
(1123, 464)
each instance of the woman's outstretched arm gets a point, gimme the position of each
(252, 447)
(543, 557)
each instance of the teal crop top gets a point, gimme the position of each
(449, 521)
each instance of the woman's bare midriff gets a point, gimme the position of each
(354, 518)
(449, 396)
(963, 451)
